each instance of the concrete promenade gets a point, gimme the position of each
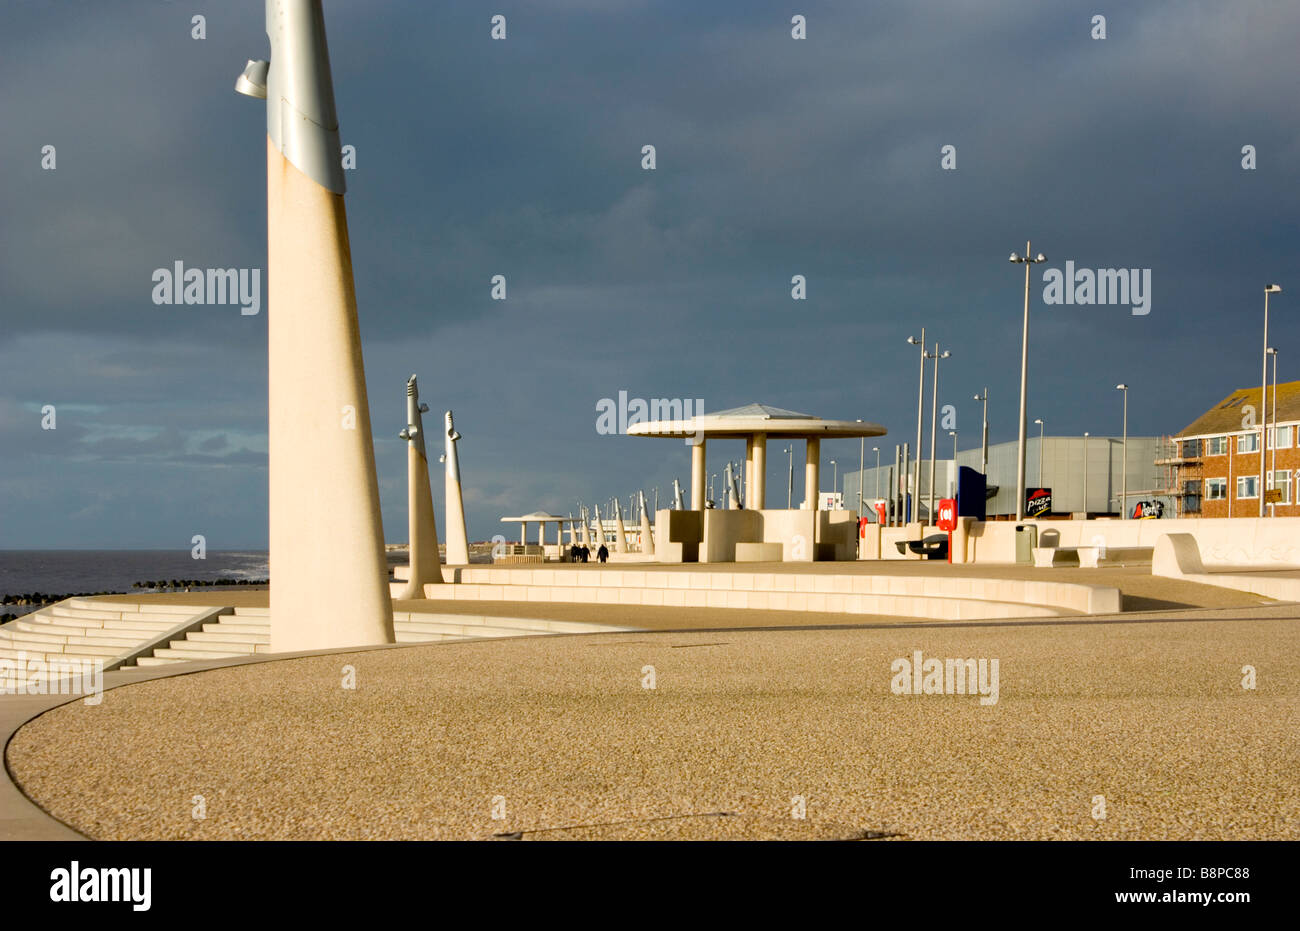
(561, 736)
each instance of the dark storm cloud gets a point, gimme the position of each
(522, 158)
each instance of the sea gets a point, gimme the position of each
(67, 572)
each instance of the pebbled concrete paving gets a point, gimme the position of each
(1147, 712)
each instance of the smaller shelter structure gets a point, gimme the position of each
(541, 519)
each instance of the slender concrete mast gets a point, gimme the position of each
(328, 570)
(647, 536)
(421, 524)
(457, 541)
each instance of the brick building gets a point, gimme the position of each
(1216, 457)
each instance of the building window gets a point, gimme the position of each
(1216, 489)
(1247, 486)
(1192, 497)
(1248, 443)
(1283, 437)
(1191, 449)
(1216, 446)
(1281, 480)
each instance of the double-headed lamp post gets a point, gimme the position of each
(1123, 469)
(1027, 261)
(1272, 467)
(953, 484)
(934, 427)
(1263, 394)
(1039, 421)
(920, 406)
(984, 443)
(1085, 475)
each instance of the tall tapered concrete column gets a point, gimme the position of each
(457, 540)
(756, 493)
(600, 527)
(586, 531)
(811, 472)
(422, 527)
(620, 534)
(647, 538)
(329, 574)
(748, 490)
(697, 476)
(523, 533)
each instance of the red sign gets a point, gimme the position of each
(880, 511)
(947, 514)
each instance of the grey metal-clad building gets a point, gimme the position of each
(1062, 460)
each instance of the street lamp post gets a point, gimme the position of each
(835, 479)
(1085, 475)
(934, 427)
(1263, 392)
(876, 450)
(1039, 421)
(1027, 261)
(920, 406)
(952, 483)
(862, 455)
(1123, 474)
(1272, 510)
(984, 443)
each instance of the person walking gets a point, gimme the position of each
(603, 553)
(585, 552)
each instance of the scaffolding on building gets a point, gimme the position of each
(1181, 476)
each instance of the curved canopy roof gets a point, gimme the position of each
(740, 422)
(533, 518)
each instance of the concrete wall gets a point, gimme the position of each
(1268, 542)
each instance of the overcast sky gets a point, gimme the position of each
(775, 157)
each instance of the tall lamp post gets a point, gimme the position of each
(952, 483)
(1027, 261)
(920, 406)
(1272, 467)
(1085, 475)
(1263, 391)
(862, 457)
(984, 443)
(876, 450)
(1123, 474)
(934, 426)
(835, 480)
(1039, 421)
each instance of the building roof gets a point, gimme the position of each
(1226, 416)
(756, 418)
(535, 517)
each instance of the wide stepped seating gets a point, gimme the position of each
(86, 630)
(911, 596)
(137, 635)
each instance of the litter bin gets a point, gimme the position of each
(1026, 540)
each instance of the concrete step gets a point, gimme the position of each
(237, 627)
(62, 648)
(161, 617)
(144, 661)
(412, 636)
(221, 635)
(186, 656)
(15, 632)
(253, 612)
